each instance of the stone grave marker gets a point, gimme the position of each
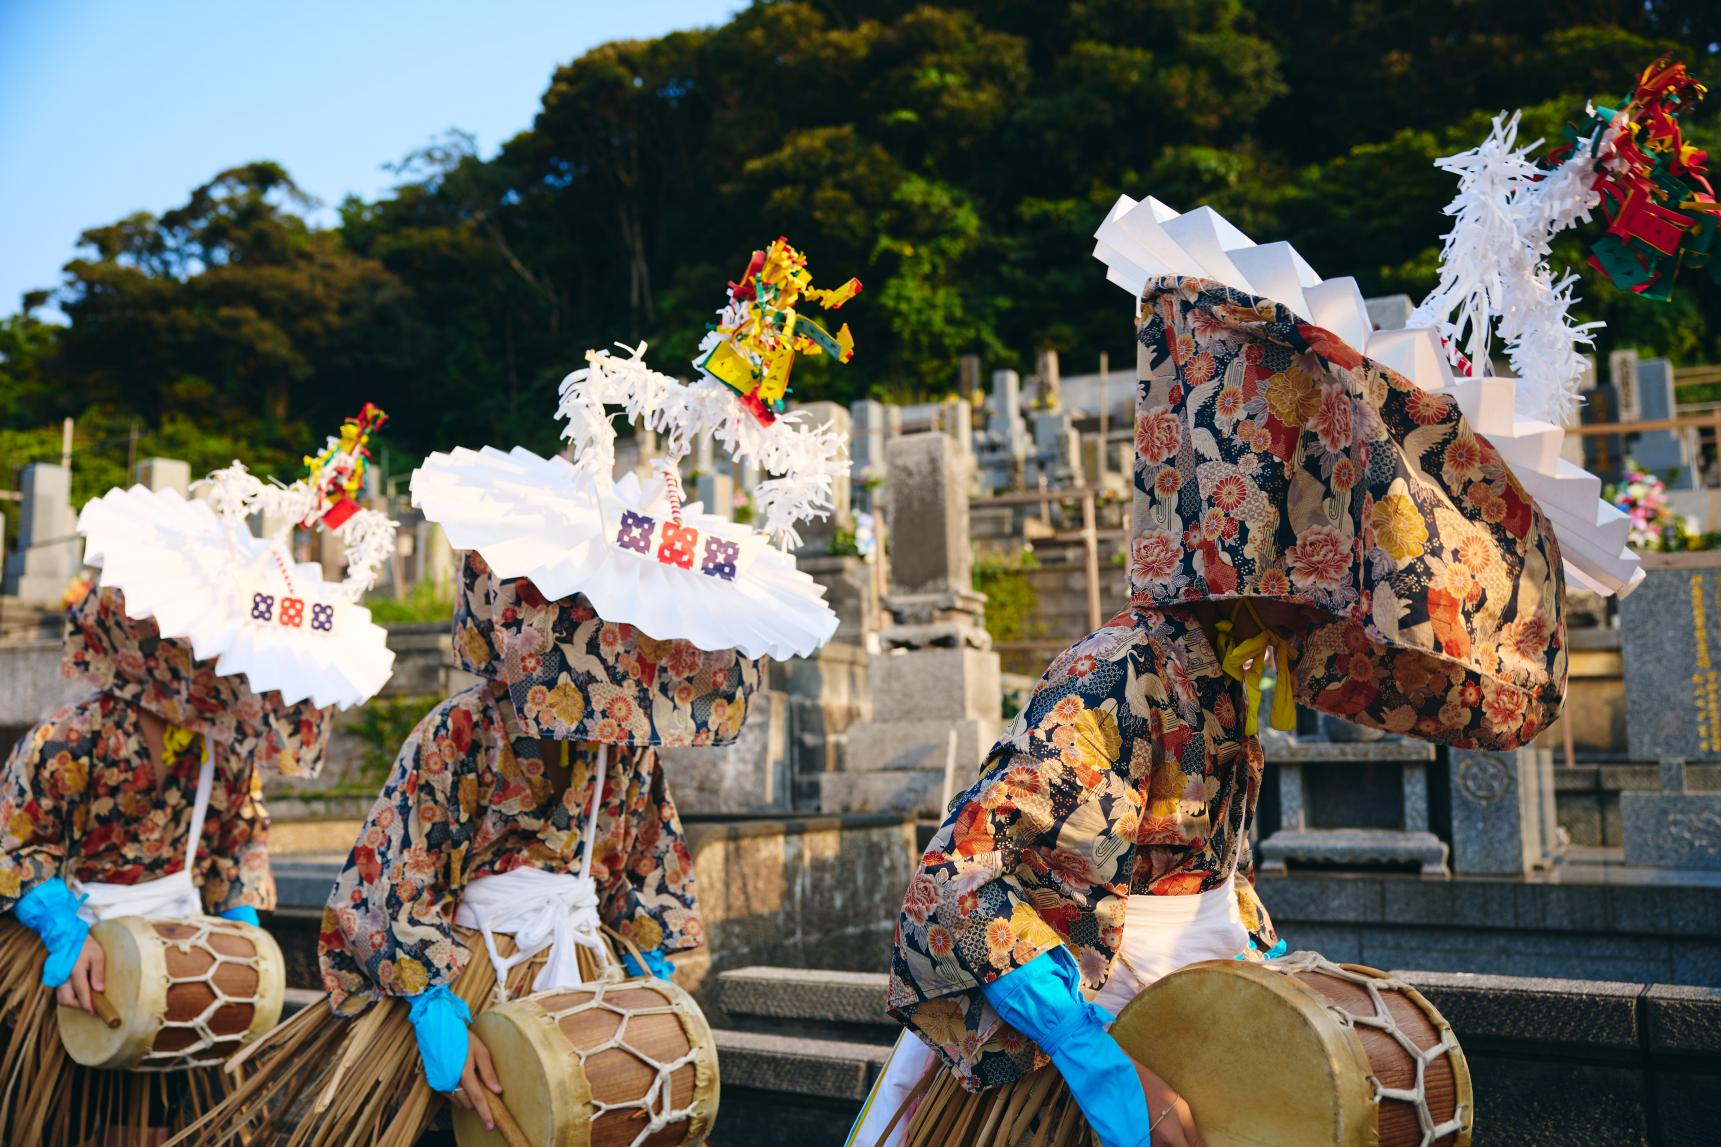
(1670, 638)
(1672, 828)
(49, 549)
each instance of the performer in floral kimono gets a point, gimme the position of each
(1296, 503)
(144, 797)
(526, 839)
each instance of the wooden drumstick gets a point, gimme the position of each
(506, 1123)
(105, 1011)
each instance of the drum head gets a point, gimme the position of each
(133, 966)
(1259, 1060)
(543, 1084)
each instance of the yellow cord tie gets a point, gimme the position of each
(1245, 661)
(175, 740)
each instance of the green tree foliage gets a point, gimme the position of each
(956, 157)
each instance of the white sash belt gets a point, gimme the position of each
(1164, 933)
(169, 896)
(557, 911)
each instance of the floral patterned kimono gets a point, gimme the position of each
(469, 798)
(1127, 773)
(1273, 463)
(79, 801)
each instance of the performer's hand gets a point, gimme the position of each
(88, 977)
(1176, 1129)
(478, 1081)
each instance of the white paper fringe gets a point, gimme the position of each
(805, 461)
(1494, 265)
(368, 536)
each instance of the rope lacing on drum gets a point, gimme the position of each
(193, 1055)
(655, 1104)
(1382, 1020)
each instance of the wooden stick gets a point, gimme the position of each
(104, 1010)
(506, 1123)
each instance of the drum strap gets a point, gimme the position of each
(174, 895)
(557, 911)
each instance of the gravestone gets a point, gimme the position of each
(1005, 422)
(1057, 449)
(1664, 453)
(1672, 828)
(874, 423)
(164, 474)
(1622, 375)
(716, 493)
(958, 423)
(931, 600)
(749, 775)
(817, 534)
(1670, 643)
(936, 695)
(968, 376)
(1347, 824)
(1047, 395)
(49, 550)
(1389, 312)
(1502, 811)
(435, 557)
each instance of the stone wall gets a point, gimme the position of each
(1566, 1062)
(811, 891)
(1626, 925)
(31, 687)
(1588, 797)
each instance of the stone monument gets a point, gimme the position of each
(935, 689)
(1352, 804)
(1670, 640)
(1501, 812)
(49, 549)
(1664, 453)
(164, 474)
(1047, 395)
(817, 534)
(1389, 312)
(1672, 828)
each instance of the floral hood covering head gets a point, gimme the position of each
(128, 658)
(1274, 461)
(573, 676)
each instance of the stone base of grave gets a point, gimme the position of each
(1353, 847)
(946, 620)
(907, 766)
(935, 714)
(1672, 830)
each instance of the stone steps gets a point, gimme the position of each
(799, 1050)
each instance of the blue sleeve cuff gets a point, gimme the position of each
(243, 913)
(1042, 999)
(656, 960)
(51, 911)
(439, 1017)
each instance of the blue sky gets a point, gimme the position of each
(113, 106)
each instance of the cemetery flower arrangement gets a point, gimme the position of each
(1654, 525)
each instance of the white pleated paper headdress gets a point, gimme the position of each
(1145, 240)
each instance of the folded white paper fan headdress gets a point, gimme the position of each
(638, 553)
(1521, 417)
(196, 567)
